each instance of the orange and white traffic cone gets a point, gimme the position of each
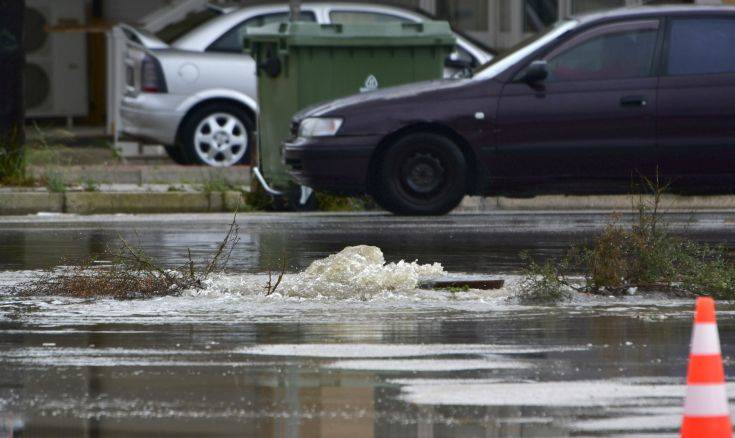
(706, 410)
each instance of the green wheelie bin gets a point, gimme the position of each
(302, 63)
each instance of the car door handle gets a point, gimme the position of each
(633, 101)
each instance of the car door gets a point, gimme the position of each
(696, 107)
(592, 118)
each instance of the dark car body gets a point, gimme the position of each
(632, 93)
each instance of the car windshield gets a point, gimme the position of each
(502, 62)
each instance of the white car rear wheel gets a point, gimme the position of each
(218, 136)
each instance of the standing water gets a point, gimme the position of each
(346, 345)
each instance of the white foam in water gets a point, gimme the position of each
(630, 423)
(359, 268)
(427, 365)
(555, 394)
(558, 394)
(355, 272)
(391, 350)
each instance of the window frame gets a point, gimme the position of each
(584, 36)
(243, 22)
(358, 11)
(663, 64)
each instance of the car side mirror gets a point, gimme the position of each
(537, 72)
(457, 63)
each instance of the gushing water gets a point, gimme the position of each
(355, 272)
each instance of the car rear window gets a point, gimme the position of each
(232, 40)
(173, 31)
(701, 46)
(364, 17)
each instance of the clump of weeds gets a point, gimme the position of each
(336, 203)
(131, 274)
(545, 283)
(457, 289)
(90, 185)
(54, 182)
(640, 258)
(217, 183)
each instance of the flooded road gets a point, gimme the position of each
(229, 361)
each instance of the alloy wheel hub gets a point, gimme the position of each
(220, 140)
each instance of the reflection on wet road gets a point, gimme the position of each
(230, 361)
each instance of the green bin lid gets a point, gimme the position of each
(303, 33)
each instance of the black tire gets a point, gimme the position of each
(195, 154)
(422, 174)
(176, 154)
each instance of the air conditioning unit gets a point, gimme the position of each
(55, 76)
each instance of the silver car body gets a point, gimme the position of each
(195, 76)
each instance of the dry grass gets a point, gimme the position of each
(132, 274)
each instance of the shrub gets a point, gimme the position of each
(643, 257)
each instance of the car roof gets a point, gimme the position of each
(651, 11)
(198, 39)
(194, 39)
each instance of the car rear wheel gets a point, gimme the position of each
(217, 135)
(422, 174)
(176, 154)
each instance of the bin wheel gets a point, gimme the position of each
(218, 135)
(422, 174)
(176, 154)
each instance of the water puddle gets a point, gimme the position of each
(351, 338)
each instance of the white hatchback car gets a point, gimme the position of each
(197, 96)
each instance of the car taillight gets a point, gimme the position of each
(151, 76)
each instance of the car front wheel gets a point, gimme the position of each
(422, 174)
(217, 135)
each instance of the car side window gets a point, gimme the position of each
(364, 17)
(232, 40)
(614, 55)
(699, 46)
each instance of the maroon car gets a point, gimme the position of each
(587, 107)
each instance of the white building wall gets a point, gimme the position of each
(131, 10)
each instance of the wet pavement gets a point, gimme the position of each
(229, 361)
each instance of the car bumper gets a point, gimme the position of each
(334, 164)
(151, 117)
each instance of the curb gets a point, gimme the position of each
(141, 174)
(31, 203)
(21, 203)
(601, 202)
(100, 203)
